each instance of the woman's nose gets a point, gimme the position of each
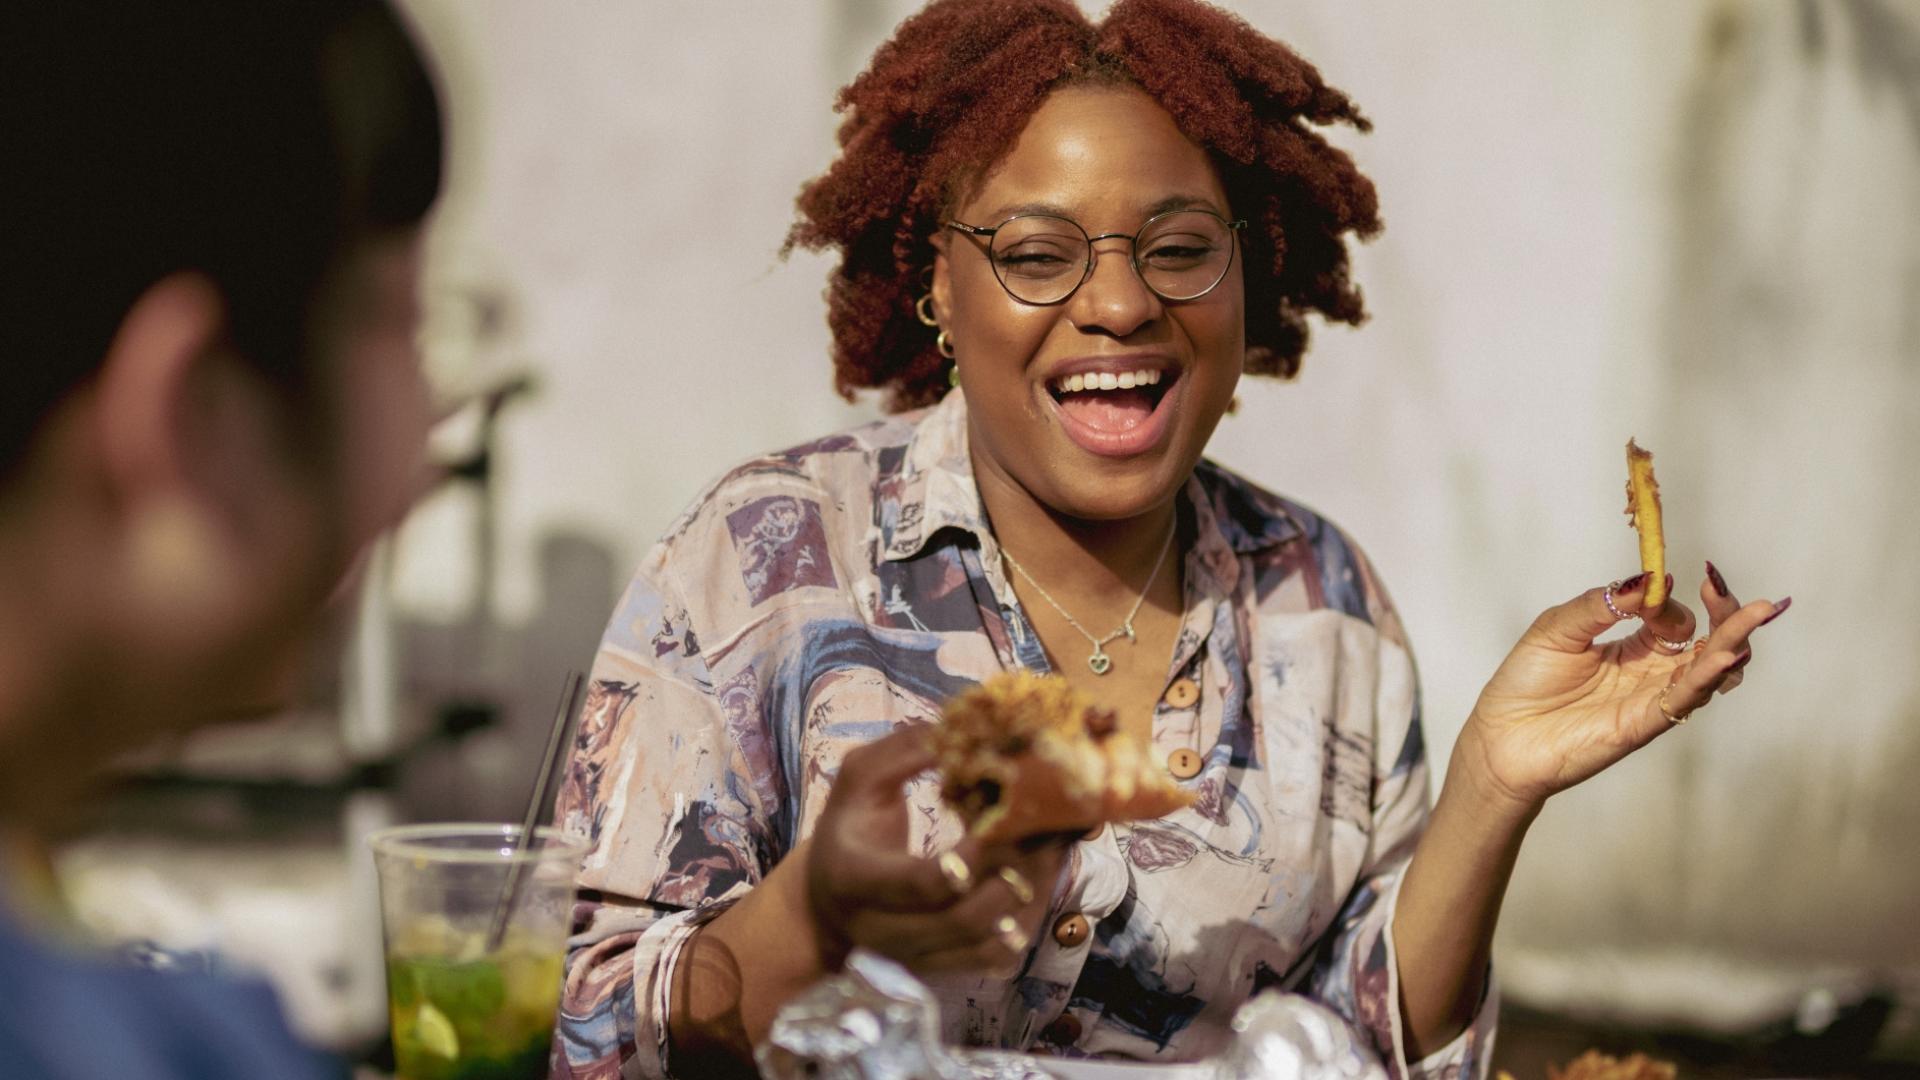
(1113, 299)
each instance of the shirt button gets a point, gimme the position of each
(1184, 764)
(1182, 694)
(1071, 930)
(1064, 1031)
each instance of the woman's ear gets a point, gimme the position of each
(942, 282)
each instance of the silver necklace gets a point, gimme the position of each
(1098, 660)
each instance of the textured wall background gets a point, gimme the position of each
(1695, 222)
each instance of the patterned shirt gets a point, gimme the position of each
(813, 600)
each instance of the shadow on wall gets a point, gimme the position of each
(1886, 47)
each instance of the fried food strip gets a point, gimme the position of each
(1024, 754)
(1643, 507)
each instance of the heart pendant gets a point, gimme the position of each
(1099, 662)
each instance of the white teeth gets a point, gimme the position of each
(1126, 380)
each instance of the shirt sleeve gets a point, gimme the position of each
(663, 783)
(1358, 972)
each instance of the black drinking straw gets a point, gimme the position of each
(542, 785)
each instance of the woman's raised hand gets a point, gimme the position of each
(973, 908)
(1561, 708)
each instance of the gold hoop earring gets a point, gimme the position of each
(923, 309)
(943, 341)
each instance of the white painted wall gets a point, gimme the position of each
(1692, 222)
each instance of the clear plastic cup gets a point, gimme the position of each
(463, 1007)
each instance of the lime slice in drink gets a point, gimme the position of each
(435, 1032)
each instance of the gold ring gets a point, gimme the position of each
(954, 868)
(1017, 883)
(1010, 934)
(1661, 704)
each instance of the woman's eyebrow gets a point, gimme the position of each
(1163, 205)
(1181, 202)
(1050, 209)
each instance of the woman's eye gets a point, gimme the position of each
(1176, 253)
(1034, 260)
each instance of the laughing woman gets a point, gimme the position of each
(1090, 232)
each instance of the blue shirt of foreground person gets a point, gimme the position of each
(66, 1015)
(209, 403)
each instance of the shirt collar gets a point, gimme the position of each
(1246, 518)
(934, 489)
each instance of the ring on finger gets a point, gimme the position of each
(1606, 596)
(1018, 885)
(958, 874)
(1010, 934)
(1661, 704)
(1670, 646)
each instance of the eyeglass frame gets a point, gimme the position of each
(1086, 272)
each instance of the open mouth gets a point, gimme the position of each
(1111, 403)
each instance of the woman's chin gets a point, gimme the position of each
(1116, 493)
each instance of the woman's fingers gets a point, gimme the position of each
(1572, 626)
(1695, 684)
(988, 929)
(852, 865)
(1003, 953)
(979, 917)
(1734, 630)
(879, 768)
(1035, 873)
(1735, 674)
(897, 881)
(1717, 598)
(1721, 603)
(1691, 688)
(1725, 655)
(1668, 626)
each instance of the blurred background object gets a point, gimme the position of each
(1697, 223)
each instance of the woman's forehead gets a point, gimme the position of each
(1092, 152)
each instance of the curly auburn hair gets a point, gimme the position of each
(945, 99)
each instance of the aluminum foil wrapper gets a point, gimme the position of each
(1288, 1037)
(873, 1021)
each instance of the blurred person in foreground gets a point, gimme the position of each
(1091, 231)
(210, 402)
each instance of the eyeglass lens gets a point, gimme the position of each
(1042, 259)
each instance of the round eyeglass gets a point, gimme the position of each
(1044, 259)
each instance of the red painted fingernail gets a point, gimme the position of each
(1741, 660)
(1631, 584)
(1719, 583)
(1669, 584)
(1779, 609)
